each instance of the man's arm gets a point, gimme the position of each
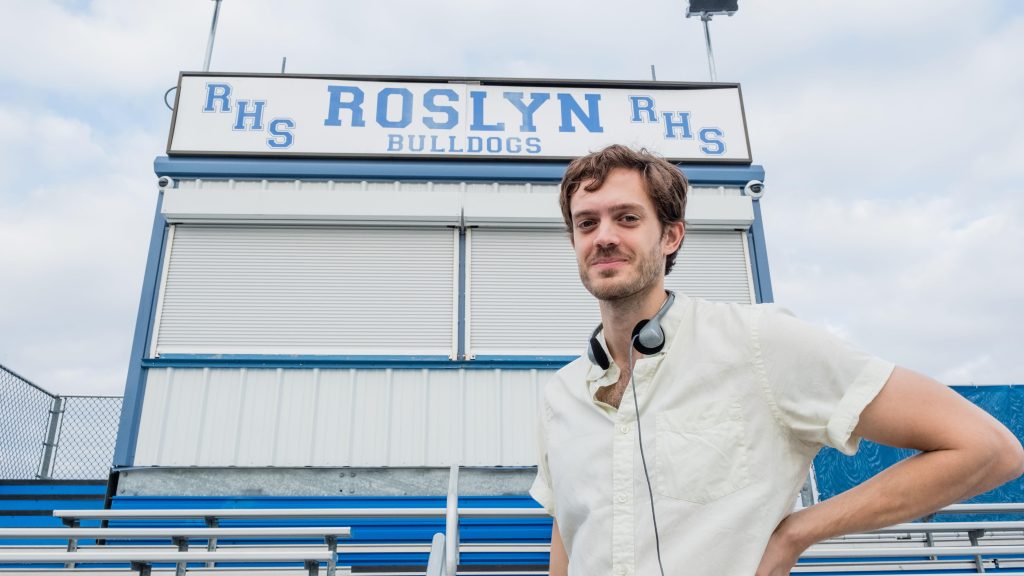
(559, 559)
(965, 452)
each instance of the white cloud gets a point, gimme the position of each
(75, 246)
(923, 282)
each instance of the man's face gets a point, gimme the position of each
(620, 247)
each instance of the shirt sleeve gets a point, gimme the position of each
(542, 490)
(818, 384)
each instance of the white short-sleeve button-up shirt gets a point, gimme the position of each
(732, 412)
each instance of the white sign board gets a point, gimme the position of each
(287, 115)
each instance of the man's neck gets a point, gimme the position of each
(621, 316)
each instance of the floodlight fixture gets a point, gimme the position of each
(712, 7)
(705, 9)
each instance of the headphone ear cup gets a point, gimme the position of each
(597, 354)
(648, 337)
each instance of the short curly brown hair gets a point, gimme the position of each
(665, 183)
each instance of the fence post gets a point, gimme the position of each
(50, 445)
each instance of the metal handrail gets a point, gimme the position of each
(451, 523)
(435, 563)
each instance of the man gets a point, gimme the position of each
(732, 409)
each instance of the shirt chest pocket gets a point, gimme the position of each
(701, 455)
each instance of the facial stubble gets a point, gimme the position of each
(648, 270)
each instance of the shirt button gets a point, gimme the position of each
(622, 500)
(624, 428)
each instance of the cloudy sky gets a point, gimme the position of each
(892, 134)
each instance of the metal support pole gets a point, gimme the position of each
(211, 543)
(182, 543)
(213, 34)
(973, 536)
(332, 545)
(705, 18)
(50, 444)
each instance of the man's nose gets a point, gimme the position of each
(606, 235)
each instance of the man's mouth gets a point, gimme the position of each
(603, 263)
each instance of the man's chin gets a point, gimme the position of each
(607, 289)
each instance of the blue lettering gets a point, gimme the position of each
(451, 145)
(280, 129)
(474, 144)
(712, 141)
(533, 145)
(394, 142)
(591, 120)
(413, 147)
(219, 93)
(243, 114)
(478, 115)
(536, 99)
(683, 123)
(383, 97)
(494, 144)
(433, 144)
(430, 103)
(515, 145)
(355, 105)
(643, 104)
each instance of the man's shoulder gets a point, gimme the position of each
(722, 313)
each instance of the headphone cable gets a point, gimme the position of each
(643, 459)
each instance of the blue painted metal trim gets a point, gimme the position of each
(753, 267)
(135, 385)
(436, 170)
(461, 353)
(372, 362)
(759, 257)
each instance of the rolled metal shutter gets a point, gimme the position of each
(318, 290)
(714, 265)
(525, 295)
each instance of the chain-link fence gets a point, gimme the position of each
(24, 422)
(47, 436)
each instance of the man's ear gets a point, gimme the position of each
(672, 237)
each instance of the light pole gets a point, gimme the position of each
(705, 9)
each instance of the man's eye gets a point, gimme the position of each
(584, 224)
(631, 218)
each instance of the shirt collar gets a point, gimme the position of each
(598, 377)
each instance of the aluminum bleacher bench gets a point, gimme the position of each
(212, 515)
(893, 548)
(178, 536)
(142, 561)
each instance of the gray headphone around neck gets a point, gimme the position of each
(648, 337)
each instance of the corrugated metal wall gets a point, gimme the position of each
(330, 417)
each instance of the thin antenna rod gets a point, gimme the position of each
(284, 62)
(213, 34)
(705, 18)
(654, 76)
